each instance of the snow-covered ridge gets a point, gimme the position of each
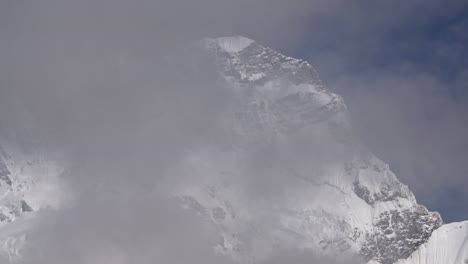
(279, 93)
(447, 245)
(244, 60)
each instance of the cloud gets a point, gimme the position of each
(123, 230)
(413, 122)
(402, 73)
(304, 256)
(112, 87)
(115, 90)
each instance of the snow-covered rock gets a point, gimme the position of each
(29, 183)
(448, 244)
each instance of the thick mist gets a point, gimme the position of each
(116, 90)
(119, 92)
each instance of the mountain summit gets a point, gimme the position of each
(345, 203)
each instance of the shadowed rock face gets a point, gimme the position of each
(387, 193)
(396, 234)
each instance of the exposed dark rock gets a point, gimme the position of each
(25, 207)
(218, 213)
(397, 234)
(386, 193)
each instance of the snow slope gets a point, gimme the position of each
(447, 245)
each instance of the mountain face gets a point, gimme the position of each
(346, 202)
(291, 177)
(28, 184)
(448, 244)
(24, 182)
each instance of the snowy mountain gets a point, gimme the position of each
(292, 175)
(345, 201)
(29, 182)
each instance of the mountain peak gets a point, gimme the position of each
(280, 94)
(232, 44)
(351, 203)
